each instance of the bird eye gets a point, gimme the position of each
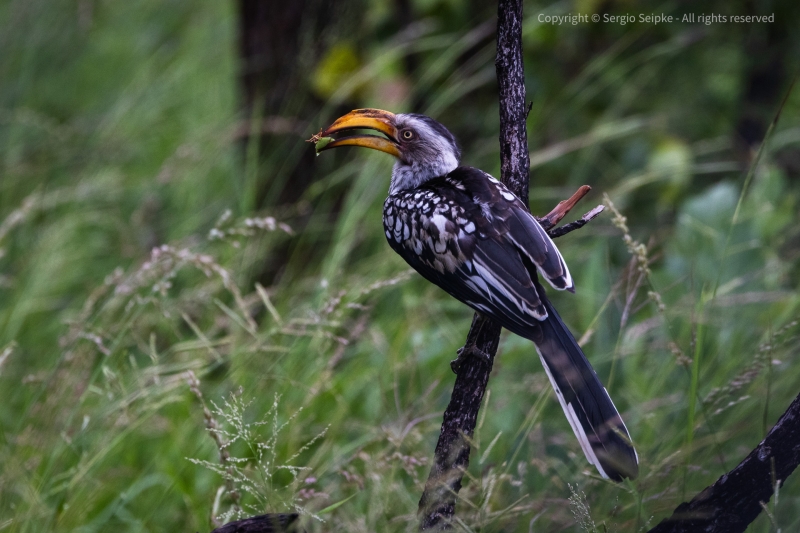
(408, 134)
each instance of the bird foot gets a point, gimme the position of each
(464, 353)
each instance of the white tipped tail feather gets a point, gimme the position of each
(587, 405)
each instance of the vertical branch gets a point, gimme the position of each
(451, 459)
(514, 159)
(437, 505)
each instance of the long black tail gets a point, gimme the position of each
(589, 409)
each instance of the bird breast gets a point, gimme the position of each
(429, 227)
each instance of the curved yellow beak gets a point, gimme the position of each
(372, 119)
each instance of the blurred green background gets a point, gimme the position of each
(160, 214)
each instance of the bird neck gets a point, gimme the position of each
(407, 176)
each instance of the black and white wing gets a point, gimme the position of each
(467, 233)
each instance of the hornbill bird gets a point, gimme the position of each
(463, 230)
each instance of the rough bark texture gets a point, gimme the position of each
(514, 159)
(437, 505)
(438, 502)
(736, 498)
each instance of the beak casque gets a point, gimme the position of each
(373, 119)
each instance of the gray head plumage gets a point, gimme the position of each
(428, 150)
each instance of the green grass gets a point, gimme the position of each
(116, 136)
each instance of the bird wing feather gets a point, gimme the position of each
(473, 238)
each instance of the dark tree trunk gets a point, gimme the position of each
(276, 59)
(280, 45)
(764, 76)
(269, 47)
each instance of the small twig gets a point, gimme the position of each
(572, 226)
(564, 206)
